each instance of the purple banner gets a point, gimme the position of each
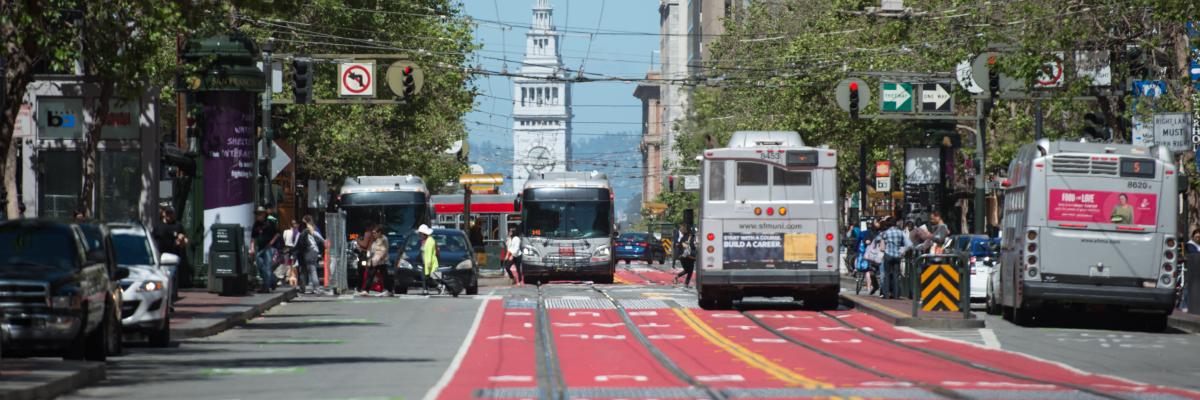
(228, 149)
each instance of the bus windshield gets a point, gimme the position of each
(568, 219)
(395, 218)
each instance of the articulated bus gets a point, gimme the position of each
(567, 227)
(399, 203)
(1088, 226)
(768, 221)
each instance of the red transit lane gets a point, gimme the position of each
(1005, 360)
(501, 355)
(595, 349)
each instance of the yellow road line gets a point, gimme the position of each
(749, 357)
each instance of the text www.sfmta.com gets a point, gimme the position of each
(771, 225)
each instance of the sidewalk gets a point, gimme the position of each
(199, 313)
(1186, 322)
(45, 378)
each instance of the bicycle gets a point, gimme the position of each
(862, 276)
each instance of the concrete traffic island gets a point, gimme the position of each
(46, 378)
(898, 312)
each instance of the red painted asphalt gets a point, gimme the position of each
(595, 349)
(501, 354)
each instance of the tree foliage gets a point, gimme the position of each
(778, 64)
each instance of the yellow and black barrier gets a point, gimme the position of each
(941, 283)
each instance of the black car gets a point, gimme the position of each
(455, 259)
(59, 295)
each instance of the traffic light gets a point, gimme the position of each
(1094, 127)
(993, 78)
(302, 79)
(854, 100)
(410, 85)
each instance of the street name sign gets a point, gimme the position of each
(935, 97)
(356, 79)
(896, 97)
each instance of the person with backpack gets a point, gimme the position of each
(895, 243)
(429, 255)
(687, 255)
(308, 254)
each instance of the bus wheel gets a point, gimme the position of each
(1023, 316)
(1006, 312)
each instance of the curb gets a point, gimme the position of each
(1189, 325)
(90, 373)
(234, 319)
(903, 319)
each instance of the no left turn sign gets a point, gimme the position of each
(356, 79)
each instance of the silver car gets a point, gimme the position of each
(147, 299)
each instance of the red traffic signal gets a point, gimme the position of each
(853, 86)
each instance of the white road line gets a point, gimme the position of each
(441, 384)
(989, 338)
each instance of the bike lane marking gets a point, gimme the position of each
(906, 364)
(497, 353)
(603, 353)
(1010, 361)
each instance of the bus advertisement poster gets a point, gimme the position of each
(742, 247)
(1103, 207)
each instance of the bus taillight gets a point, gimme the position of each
(1169, 254)
(757, 210)
(782, 210)
(711, 237)
(710, 249)
(829, 249)
(829, 237)
(770, 211)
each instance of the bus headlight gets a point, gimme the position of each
(465, 264)
(602, 253)
(527, 251)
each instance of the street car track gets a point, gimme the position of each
(937, 390)
(550, 380)
(655, 351)
(970, 364)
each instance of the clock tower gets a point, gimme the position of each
(541, 103)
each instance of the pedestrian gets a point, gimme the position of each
(429, 253)
(514, 268)
(678, 239)
(169, 238)
(895, 243)
(377, 263)
(1193, 246)
(290, 237)
(308, 254)
(265, 234)
(853, 248)
(687, 255)
(939, 229)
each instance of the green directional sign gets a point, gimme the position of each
(896, 97)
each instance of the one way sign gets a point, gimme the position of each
(935, 97)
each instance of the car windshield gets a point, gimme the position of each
(93, 238)
(447, 242)
(37, 247)
(132, 249)
(568, 219)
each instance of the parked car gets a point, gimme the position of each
(639, 246)
(455, 255)
(993, 297)
(148, 291)
(981, 258)
(60, 292)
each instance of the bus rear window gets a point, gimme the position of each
(716, 181)
(792, 178)
(751, 174)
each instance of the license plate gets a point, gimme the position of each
(566, 251)
(628, 247)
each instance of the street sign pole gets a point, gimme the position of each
(982, 109)
(1037, 119)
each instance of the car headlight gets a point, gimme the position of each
(150, 286)
(465, 264)
(61, 301)
(405, 265)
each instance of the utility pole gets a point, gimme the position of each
(983, 109)
(268, 141)
(1037, 119)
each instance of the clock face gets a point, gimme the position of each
(539, 159)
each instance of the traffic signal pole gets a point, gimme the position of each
(983, 108)
(268, 136)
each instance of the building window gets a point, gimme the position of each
(523, 95)
(120, 185)
(554, 95)
(59, 197)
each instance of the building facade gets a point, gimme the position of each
(541, 103)
(652, 136)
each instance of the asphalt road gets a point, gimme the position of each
(643, 337)
(310, 348)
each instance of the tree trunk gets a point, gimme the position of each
(13, 204)
(19, 52)
(100, 106)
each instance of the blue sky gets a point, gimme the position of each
(602, 109)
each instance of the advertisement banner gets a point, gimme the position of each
(757, 247)
(228, 147)
(1103, 207)
(922, 166)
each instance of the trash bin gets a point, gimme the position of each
(227, 261)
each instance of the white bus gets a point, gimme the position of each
(768, 221)
(1087, 226)
(567, 227)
